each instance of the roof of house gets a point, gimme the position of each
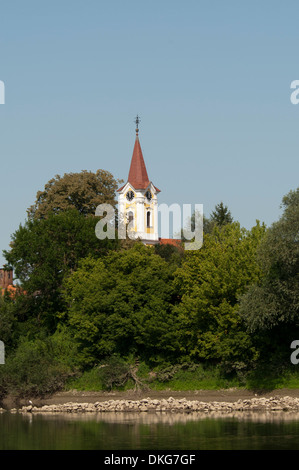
(170, 241)
(12, 289)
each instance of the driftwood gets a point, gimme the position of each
(122, 378)
(138, 384)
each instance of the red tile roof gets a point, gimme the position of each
(170, 241)
(11, 289)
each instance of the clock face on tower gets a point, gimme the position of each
(130, 195)
(148, 195)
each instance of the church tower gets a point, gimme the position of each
(138, 204)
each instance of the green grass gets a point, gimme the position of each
(291, 382)
(198, 379)
(272, 381)
(195, 378)
(89, 381)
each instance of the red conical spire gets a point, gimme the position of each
(138, 175)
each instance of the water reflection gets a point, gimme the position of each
(169, 418)
(150, 431)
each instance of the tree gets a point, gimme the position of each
(122, 304)
(221, 215)
(33, 370)
(44, 251)
(210, 282)
(170, 253)
(81, 191)
(8, 321)
(271, 307)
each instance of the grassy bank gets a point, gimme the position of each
(37, 374)
(196, 377)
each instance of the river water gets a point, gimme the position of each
(149, 431)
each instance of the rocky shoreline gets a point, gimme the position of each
(183, 405)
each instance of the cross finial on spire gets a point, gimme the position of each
(137, 121)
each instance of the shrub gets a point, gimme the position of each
(114, 372)
(32, 370)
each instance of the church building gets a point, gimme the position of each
(138, 203)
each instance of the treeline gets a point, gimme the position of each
(83, 302)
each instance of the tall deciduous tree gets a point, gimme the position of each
(123, 304)
(272, 304)
(220, 216)
(44, 251)
(81, 191)
(211, 280)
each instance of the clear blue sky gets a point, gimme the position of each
(210, 80)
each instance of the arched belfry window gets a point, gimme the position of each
(148, 219)
(130, 217)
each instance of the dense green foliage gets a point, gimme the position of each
(43, 252)
(123, 304)
(271, 306)
(33, 370)
(80, 191)
(109, 313)
(211, 281)
(275, 299)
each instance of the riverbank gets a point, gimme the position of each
(166, 400)
(170, 404)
